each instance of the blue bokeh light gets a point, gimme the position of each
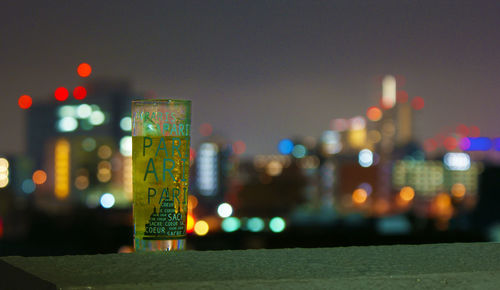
(285, 146)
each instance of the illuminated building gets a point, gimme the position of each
(429, 178)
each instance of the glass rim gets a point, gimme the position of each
(174, 101)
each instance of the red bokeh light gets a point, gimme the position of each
(206, 129)
(450, 143)
(462, 130)
(239, 147)
(401, 97)
(24, 102)
(474, 131)
(61, 94)
(79, 93)
(84, 70)
(417, 103)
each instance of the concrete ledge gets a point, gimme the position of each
(468, 266)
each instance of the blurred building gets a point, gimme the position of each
(80, 149)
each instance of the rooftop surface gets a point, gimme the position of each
(462, 266)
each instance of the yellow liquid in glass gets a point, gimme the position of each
(160, 186)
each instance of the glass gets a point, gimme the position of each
(160, 159)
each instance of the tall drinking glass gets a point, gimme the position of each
(160, 159)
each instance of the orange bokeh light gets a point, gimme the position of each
(61, 94)
(79, 93)
(458, 190)
(39, 177)
(84, 70)
(359, 196)
(24, 102)
(442, 201)
(407, 193)
(374, 114)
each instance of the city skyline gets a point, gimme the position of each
(260, 72)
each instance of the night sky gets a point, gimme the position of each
(259, 71)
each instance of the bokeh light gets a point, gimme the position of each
(83, 111)
(430, 145)
(442, 201)
(107, 200)
(374, 114)
(299, 151)
(474, 131)
(84, 70)
(418, 103)
(359, 196)
(255, 224)
(277, 224)
(4, 164)
(28, 186)
(285, 146)
(401, 97)
(358, 123)
(126, 124)
(458, 190)
(39, 177)
(192, 154)
(450, 143)
(82, 182)
(97, 118)
(340, 124)
(365, 158)
(190, 223)
(225, 210)
(367, 187)
(201, 228)
(462, 130)
(24, 102)
(274, 168)
(66, 111)
(231, 224)
(206, 129)
(104, 152)
(457, 161)
(89, 144)
(126, 146)
(67, 124)
(192, 202)
(239, 147)
(79, 93)
(407, 193)
(61, 94)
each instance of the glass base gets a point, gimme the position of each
(159, 245)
